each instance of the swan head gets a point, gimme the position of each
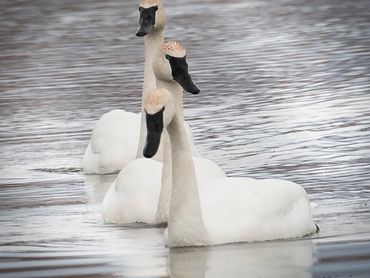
(152, 17)
(159, 108)
(171, 65)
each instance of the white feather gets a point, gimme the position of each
(113, 143)
(133, 196)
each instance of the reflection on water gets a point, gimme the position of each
(97, 185)
(285, 94)
(269, 259)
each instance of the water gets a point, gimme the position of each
(285, 94)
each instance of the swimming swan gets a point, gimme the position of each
(119, 136)
(142, 191)
(223, 210)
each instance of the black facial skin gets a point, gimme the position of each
(180, 73)
(147, 20)
(154, 125)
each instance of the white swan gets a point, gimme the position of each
(115, 139)
(142, 191)
(223, 210)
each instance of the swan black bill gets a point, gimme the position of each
(180, 73)
(146, 21)
(154, 126)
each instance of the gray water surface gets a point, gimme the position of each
(284, 94)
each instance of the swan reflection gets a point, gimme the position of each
(279, 259)
(97, 186)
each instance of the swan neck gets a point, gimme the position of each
(185, 224)
(152, 44)
(163, 209)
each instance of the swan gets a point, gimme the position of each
(225, 210)
(142, 190)
(119, 136)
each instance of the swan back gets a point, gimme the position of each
(107, 151)
(245, 209)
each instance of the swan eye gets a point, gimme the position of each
(168, 57)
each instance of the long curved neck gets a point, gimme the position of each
(163, 209)
(152, 44)
(185, 223)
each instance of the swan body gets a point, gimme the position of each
(133, 200)
(107, 151)
(226, 210)
(237, 209)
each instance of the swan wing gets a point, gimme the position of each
(133, 196)
(113, 143)
(245, 209)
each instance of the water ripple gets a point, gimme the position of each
(284, 94)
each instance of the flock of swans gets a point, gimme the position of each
(162, 178)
